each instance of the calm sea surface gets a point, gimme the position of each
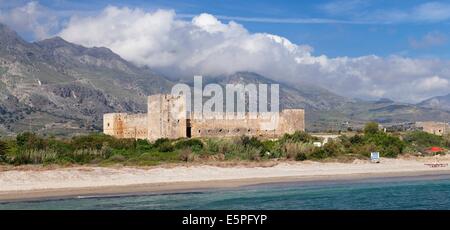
(431, 192)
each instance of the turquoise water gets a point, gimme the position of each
(432, 192)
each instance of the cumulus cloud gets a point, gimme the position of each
(32, 20)
(207, 46)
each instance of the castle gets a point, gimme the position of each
(433, 127)
(160, 122)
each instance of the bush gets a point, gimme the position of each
(117, 158)
(164, 145)
(371, 128)
(34, 156)
(300, 157)
(160, 141)
(298, 136)
(96, 141)
(423, 139)
(330, 149)
(84, 156)
(297, 151)
(363, 149)
(356, 139)
(193, 144)
(29, 141)
(143, 146)
(3, 150)
(251, 142)
(186, 155)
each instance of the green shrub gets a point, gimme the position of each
(252, 142)
(194, 144)
(391, 151)
(84, 156)
(363, 149)
(296, 150)
(330, 149)
(143, 146)
(166, 147)
(356, 139)
(96, 141)
(423, 139)
(117, 158)
(160, 141)
(34, 156)
(371, 128)
(60, 146)
(3, 150)
(29, 141)
(389, 145)
(218, 146)
(300, 157)
(298, 136)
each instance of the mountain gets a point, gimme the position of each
(59, 87)
(321, 106)
(440, 102)
(56, 87)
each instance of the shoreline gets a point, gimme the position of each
(84, 182)
(185, 187)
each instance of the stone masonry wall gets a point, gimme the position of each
(437, 128)
(122, 125)
(166, 118)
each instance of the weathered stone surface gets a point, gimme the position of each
(167, 118)
(437, 128)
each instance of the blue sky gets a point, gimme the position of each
(348, 28)
(356, 48)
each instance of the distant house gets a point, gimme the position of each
(433, 127)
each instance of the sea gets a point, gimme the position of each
(402, 193)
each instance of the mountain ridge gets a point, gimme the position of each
(57, 87)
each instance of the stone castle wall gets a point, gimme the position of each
(288, 121)
(167, 118)
(122, 125)
(437, 128)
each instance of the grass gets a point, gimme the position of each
(100, 149)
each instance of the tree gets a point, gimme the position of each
(371, 128)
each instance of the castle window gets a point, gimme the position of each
(108, 124)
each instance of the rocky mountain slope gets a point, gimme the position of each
(440, 102)
(59, 88)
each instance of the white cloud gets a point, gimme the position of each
(31, 19)
(207, 46)
(429, 40)
(358, 11)
(344, 7)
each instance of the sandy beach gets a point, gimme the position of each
(44, 182)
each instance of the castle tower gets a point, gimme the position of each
(166, 116)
